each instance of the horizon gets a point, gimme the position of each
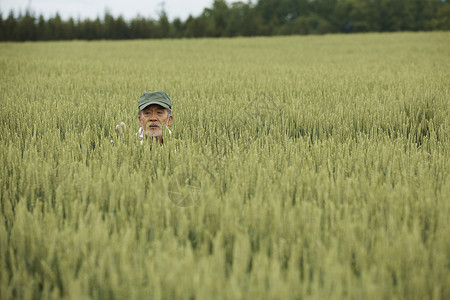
(84, 9)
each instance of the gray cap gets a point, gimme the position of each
(159, 97)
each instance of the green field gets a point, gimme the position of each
(316, 167)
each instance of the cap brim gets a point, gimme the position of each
(154, 102)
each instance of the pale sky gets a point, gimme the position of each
(96, 8)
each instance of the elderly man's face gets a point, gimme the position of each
(153, 118)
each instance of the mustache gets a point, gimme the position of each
(153, 124)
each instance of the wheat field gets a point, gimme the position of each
(315, 167)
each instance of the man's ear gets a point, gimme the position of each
(140, 121)
(169, 120)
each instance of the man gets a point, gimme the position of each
(155, 115)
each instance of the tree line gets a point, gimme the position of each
(263, 18)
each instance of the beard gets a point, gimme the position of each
(153, 132)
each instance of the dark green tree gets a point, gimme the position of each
(352, 16)
(55, 27)
(26, 27)
(196, 27)
(141, 28)
(109, 26)
(177, 29)
(163, 26)
(43, 33)
(441, 21)
(70, 30)
(2, 30)
(220, 16)
(264, 17)
(121, 29)
(11, 30)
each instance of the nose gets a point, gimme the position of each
(153, 117)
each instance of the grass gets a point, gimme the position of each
(316, 167)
